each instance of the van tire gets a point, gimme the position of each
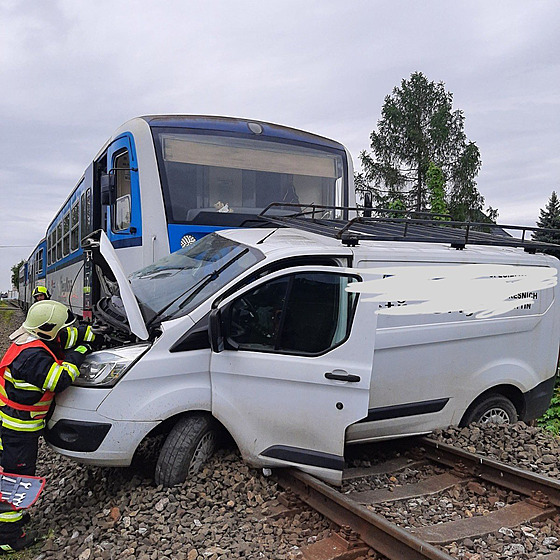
(190, 443)
(491, 409)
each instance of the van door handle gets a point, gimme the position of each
(343, 377)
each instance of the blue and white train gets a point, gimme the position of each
(162, 182)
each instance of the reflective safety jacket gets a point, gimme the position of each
(30, 374)
(69, 337)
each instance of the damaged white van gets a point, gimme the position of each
(264, 334)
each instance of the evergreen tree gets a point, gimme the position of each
(418, 125)
(549, 218)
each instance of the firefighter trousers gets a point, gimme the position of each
(19, 456)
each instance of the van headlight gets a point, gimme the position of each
(104, 368)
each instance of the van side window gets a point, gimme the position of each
(304, 313)
(123, 203)
(255, 317)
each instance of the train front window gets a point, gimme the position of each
(204, 175)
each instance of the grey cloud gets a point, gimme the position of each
(70, 75)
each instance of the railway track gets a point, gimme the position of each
(507, 497)
(8, 305)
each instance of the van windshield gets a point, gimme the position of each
(177, 284)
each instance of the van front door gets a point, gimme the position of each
(295, 368)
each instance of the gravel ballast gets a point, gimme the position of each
(92, 513)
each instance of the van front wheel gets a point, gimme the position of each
(190, 443)
(491, 409)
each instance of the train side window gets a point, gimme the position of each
(59, 241)
(75, 226)
(49, 249)
(123, 202)
(40, 261)
(66, 234)
(85, 212)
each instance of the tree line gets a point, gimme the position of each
(421, 160)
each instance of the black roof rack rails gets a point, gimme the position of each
(409, 226)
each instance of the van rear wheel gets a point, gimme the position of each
(190, 443)
(491, 409)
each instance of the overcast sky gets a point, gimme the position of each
(71, 72)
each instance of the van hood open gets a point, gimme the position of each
(125, 302)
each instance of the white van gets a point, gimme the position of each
(257, 332)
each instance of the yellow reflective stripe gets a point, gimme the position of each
(72, 370)
(89, 336)
(72, 337)
(19, 384)
(11, 516)
(21, 425)
(52, 377)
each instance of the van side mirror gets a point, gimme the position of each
(108, 183)
(215, 331)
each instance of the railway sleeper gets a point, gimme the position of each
(388, 467)
(288, 505)
(509, 516)
(344, 544)
(429, 486)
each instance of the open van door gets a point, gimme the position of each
(291, 367)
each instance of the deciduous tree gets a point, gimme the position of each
(15, 274)
(436, 189)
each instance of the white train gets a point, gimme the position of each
(162, 182)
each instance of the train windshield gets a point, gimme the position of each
(178, 283)
(208, 179)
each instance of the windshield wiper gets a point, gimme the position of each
(187, 295)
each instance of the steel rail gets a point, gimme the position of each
(386, 538)
(500, 474)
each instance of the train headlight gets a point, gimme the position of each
(105, 368)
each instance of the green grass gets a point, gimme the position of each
(5, 316)
(550, 420)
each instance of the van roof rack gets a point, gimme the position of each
(408, 226)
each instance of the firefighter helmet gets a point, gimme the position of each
(45, 318)
(40, 293)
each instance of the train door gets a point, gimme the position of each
(123, 218)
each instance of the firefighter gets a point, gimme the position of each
(43, 359)
(40, 293)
